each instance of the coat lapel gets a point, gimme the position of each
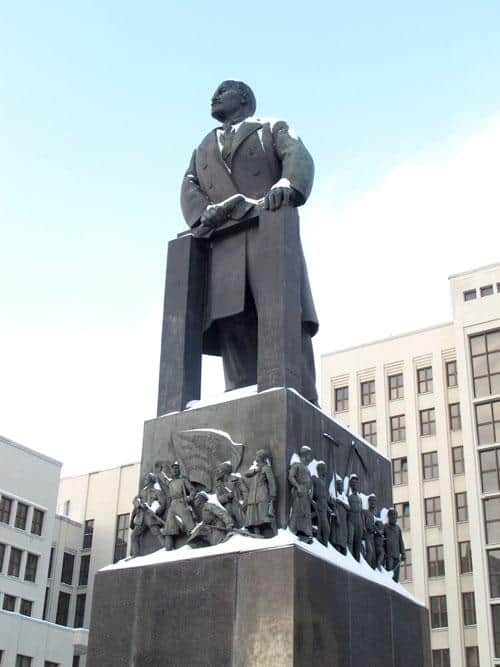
(243, 132)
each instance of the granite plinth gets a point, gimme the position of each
(280, 421)
(282, 607)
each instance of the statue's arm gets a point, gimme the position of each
(194, 201)
(297, 163)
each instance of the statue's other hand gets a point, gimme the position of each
(212, 217)
(278, 197)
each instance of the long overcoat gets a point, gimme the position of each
(263, 152)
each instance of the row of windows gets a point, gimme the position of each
(13, 568)
(68, 567)
(21, 515)
(63, 605)
(27, 661)
(485, 290)
(432, 509)
(430, 466)
(435, 560)
(427, 424)
(441, 657)
(10, 601)
(439, 610)
(395, 385)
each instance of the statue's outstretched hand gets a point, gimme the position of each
(212, 217)
(278, 197)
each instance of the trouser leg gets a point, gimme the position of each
(238, 343)
(135, 540)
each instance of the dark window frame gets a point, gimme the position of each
(438, 607)
(435, 561)
(31, 567)
(458, 460)
(461, 507)
(451, 373)
(454, 417)
(121, 537)
(341, 395)
(21, 516)
(368, 396)
(406, 571)
(465, 559)
(440, 657)
(79, 616)
(395, 384)
(398, 428)
(470, 294)
(427, 419)
(83, 574)
(469, 608)
(485, 353)
(9, 602)
(430, 465)
(5, 509)
(14, 568)
(68, 568)
(492, 525)
(404, 515)
(472, 656)
(425, 380)
(370, 434)
(63, 604)
(400, 471)
(492, 423)
(486, 290)
(37, 521)
(432, 509)
(26, 607)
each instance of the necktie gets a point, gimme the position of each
(227, 144)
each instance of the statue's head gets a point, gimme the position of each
(136, 502)
(354, 483)
(321, 468)
(233, 101)
(305, 454)
(200, 500)
(261, 456)
(176, 469)
(392, 516)
(372, 502)
(150, 479)
(339, 485)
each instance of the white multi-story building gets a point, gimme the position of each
(29, 483)
(430, 400)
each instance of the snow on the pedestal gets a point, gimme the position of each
(284, 538)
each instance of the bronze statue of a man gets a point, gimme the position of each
(245, 164)
(301, 495)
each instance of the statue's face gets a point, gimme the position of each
(176, 471)
(354, 484)
(372, 502)
(306, 456)
(321, 471)
(393, 517)
(340, 486)
(226, 102)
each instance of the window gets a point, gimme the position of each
(31, 567)
(488, 423)
(457, 454)
(37, 522)
(451, 374)
(432, 511)
(489, 462)
(121, 536)
(396, 387)
(487, 290)
(76, 661)
(67, 568)
(83, 577)
(23, 660)
(494, 572)
(2, 555)
(25, 607)
(485, 353)
(66, 507)
(435, 561)
(47, 663)
(424, 380)
(398, 428)
(470, 294)
(492, 521)
(46, 604)
(341, 399)
(471, 656)
(454, 416)
(79, 610)
(427, 422)
(469, 608)
(465, 557)
(5, 509)
(62, 609)
(21, 516)
(461, 506)
(405, 570)
(441, 657)
(403, 510)
(9, 602)
(51, 562)
(369, 430)
(439, 611)
(368, 392)
(14, 562)
(430, 465)
(400, 471)
(495, 613)
(88, 533)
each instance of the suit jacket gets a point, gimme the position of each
(262, 154)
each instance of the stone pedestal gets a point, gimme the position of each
(279, 607)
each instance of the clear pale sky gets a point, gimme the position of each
(101, 104)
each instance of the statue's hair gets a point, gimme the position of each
(246, 92)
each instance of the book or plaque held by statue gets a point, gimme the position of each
(263, 531)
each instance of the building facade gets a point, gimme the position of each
(101, 502)
(29, 483)
(430, 400)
